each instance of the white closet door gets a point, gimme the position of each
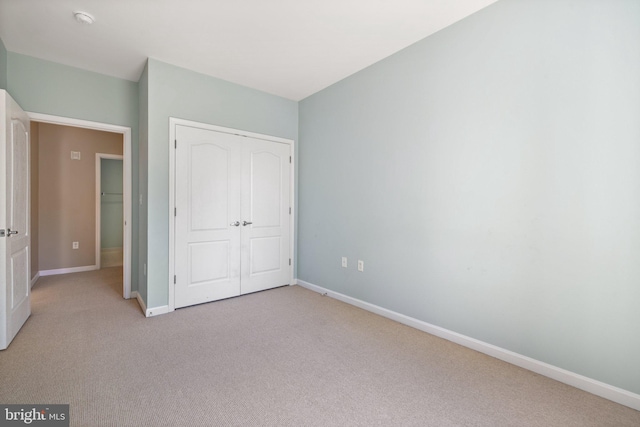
(207, 231)
(265, 211)
(232, 215)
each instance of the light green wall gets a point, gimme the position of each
(47, 87)
(489, 177)
(143, 105)
(51, 88)
(177, 92)
(111, 204)
(3, 66)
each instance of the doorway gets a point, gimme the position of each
(109, 211)
(126, 189)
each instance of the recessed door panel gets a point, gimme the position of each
(19, 277)
(209, 186)
(266, 255)
(266, 189)
(19, 178)
(202, 269)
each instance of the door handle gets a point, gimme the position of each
(9, 232)
(235, 224)
(246, 223)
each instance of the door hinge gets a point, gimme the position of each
(289, 159)
(174, 279)
(175, 211)
(289, 211)
(289, 261)
(175, 143)
(2, 233)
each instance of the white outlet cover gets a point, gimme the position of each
(344, 261)
(75, 245)
(360, 265)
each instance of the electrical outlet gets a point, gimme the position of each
(75, 245)
(360, 265)
(344, 261)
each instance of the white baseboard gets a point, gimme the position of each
(141, 303)
(68, 270)
(149, 312)
(34, 280)
(156, 311)
(598, 388)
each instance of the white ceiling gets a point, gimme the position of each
(290, 48)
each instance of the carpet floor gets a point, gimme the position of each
(284, 357)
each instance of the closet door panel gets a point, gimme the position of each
(265, 211)
(208, 176)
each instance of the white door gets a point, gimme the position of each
(207, 216)
(265, 205)
(14, 220)
(231, 215)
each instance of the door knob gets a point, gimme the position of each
(246, 223)
(9, 232)
(235, 224)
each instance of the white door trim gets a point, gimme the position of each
(173, 122)
(126, 186)
(99, 157)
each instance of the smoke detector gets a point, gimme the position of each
(83, 17)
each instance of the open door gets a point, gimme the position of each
(15, 235)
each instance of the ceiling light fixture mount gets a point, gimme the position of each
(83, 17)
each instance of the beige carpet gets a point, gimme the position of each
(285, 357)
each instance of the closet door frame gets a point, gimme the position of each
(173, 122)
